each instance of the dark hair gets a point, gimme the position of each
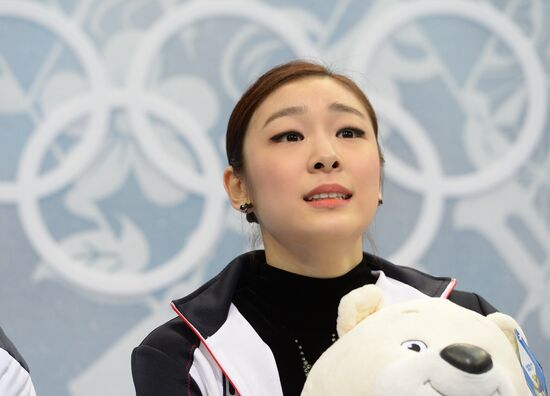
(262, 88)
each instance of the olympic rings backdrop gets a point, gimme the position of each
(112, 122)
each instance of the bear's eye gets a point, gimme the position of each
(414, 345)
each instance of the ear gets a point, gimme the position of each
(234, 187)
(508, 325)
(381, 184)
(356, 306)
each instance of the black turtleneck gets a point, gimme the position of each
(294, 313)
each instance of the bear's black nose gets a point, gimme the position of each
(468, 358)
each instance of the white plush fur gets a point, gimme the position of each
(356, 306)
(369, 358)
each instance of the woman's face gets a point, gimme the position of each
(310, 138)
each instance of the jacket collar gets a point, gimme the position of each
(207, 308)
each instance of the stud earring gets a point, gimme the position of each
(380, 200)
(245, 207)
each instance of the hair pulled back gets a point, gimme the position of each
(262, 88)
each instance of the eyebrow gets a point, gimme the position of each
(293, 110)
(297, 110)
(340, 107)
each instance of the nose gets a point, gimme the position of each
(323, 157)
(322, 164)
(468, 358)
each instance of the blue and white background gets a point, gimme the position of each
(112, 122)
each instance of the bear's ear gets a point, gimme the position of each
(356, 306)
(508, 325)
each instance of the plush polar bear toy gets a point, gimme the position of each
(426, 347)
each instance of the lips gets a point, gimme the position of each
(328, 191)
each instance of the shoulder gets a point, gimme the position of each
(14, 372)
(161, 363)
(7, 345)
(208, 306)
(472, 301)
(173, 339)
(204, 307)
(430, 285)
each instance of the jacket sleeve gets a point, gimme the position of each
(156, 373)
(472, 301)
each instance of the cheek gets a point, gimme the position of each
(269, 180)
(370, 174)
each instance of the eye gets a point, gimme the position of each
(291, 136)
(349, 133)
(414, 345)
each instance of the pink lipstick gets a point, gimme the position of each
(328, 196)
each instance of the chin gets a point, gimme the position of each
(328, 231)
(324, 226)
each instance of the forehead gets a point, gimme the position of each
(307, 91)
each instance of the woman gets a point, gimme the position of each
(304, 163)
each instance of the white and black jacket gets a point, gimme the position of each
(14, 372)
(211, 349)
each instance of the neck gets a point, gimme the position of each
(317, 259)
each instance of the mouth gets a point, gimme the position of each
(318, 197)
(328, 192)
(429, 383)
